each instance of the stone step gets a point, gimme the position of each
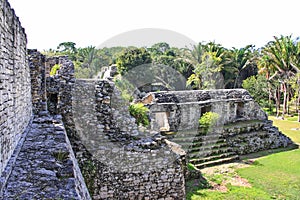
(217, 162)
(244, 126)
(197, 161)
(194, 144)
(202, 146)
(193, 136)
(196, 138)
(209, 152)
(209, 137)
(256, 133)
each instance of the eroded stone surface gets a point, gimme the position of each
(241, 128)
(125, 162)
(15, 97)
(45, 167)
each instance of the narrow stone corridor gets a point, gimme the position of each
(44, 167)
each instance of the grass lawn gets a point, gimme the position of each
(275, 176)
(288, 127)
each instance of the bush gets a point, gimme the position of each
(257, 86)
(54, 69)
(208, 119)
(125, 87)
(139, 112)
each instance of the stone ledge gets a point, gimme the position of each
(44, 165)
(9, 167)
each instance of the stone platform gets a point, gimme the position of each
(43, 165)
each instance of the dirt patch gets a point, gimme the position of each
(228, 174)
(238, 181)
(225, 168)
(217, 187)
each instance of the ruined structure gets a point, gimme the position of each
(15, 101)
(37, 160)
(45, 117)
(64, 138)
(242, 126)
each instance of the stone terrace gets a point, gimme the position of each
(45, 166)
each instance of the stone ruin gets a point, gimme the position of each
(75, 139)
(242, 127)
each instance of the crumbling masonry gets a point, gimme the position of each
(74, 139)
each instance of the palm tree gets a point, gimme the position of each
(281, 53)
(206, 59)
(237, 60)
(265, 67)
(88, 58)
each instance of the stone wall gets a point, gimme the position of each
(242, 126)
(15, 95)
(45, 166)
(38, 83)
(184, 108)
(118, 160)
(52, 97)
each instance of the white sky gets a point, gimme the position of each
(232, 23)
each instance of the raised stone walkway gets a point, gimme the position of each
(43, 165)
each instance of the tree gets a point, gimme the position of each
(140, 113)
(206, 60)
(235, 62)
(257, 86)
(69, 49)
(280, 53)
(159, 49)
(206, 74)
(131, 58)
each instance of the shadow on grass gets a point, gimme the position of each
(268, 152)
(195, 183)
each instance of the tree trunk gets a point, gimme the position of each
(288, 99)
(270, 99)
(297, 106)
(284, 100)
(277, 99)
(236, 80)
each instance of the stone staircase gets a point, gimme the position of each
(205, 150)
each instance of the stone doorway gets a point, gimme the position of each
(204, 110)
(162, 120)
(240, 110)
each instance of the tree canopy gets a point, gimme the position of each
(270, 73)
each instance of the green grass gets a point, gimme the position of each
(234, 193)
(287, 127)
(275, 176)
(294, 118)
(278, 175)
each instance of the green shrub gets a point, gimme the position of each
(191, 167)
(208, 119)
(125, 87)
(54, 69)
(139, 112)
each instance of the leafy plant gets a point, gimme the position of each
(61, 156)
(257, 86)
(125, 87)
(208, 119)
(139, 112)
(54, 69)
(131, 58)
(191, 167)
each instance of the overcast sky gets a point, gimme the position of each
(232, 23)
